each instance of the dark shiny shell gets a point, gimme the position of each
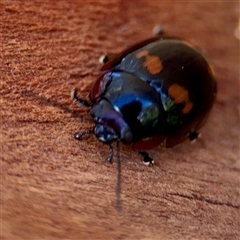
(183, 86)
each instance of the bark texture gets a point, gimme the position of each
(53, 187)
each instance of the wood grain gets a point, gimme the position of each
(53, 187)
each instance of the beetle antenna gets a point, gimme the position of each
(118, 186)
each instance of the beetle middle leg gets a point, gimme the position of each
(80, 135)
(158, 30)
(146, 159)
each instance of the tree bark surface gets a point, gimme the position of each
(54, 187)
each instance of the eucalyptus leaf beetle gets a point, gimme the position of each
(157, 92)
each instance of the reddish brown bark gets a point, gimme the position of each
(53, 187)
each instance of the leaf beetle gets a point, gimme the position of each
(157, 92)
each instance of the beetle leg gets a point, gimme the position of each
(110, 156)
(158, 31)
(79, 136)
(106, 57)
(80, 101)
(103, 59)
(193, 136)
(146, 159)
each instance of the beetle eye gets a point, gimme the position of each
(105, 133)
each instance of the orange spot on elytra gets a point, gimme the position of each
(143, 53)
(153, 64)
(180, 95)
(187, 108)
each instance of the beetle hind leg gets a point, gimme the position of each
(193, 136)
(146, 159)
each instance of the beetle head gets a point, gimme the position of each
(110, 125)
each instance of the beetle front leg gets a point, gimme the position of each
(106, 57)
(80, 101)
(146, 159)
(103, 59)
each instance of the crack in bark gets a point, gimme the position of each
(214, 202)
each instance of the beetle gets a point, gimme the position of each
(157, 92)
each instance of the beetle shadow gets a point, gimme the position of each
(50, 102)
